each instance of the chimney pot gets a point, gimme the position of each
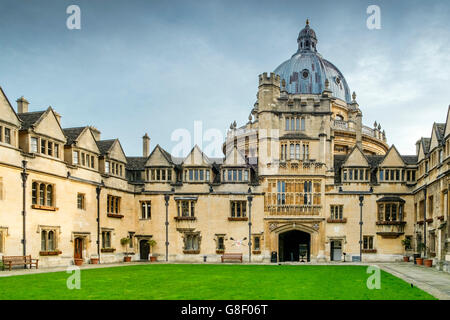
(145, 145)
(22, 105)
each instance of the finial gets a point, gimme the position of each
(250, 117)
(307, 21)
(234, 124)
(231, 126)
(379, 126)
(375, 124)
(354, 96)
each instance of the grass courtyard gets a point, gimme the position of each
(210, 282)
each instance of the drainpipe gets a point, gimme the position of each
(250, 198)
(425, 221)
(98, 190)
(24, 175)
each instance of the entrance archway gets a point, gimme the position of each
(294, 245)
(144, 249)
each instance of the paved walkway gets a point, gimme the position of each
(436, 283)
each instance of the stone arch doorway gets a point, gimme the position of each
(294, 245)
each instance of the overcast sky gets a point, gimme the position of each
(156, 66)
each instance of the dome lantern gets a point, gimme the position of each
(307, 39)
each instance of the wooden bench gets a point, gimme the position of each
(11, 261)
(232, 256)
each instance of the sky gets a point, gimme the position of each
(157, 66)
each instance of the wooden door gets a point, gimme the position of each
(78, 254)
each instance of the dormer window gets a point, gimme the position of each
(355, 175)
(161, 174)
(197, 175)
(235, 175)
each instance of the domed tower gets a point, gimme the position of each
(307, 101)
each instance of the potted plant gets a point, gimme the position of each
(421, 248)
(124, 242)
(406, 244)
(78, 262)
(428, 262)
(94, 259)
(152, 243)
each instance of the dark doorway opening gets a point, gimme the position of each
(78, 252)
(336, 250)
(144, 249)
(295, 246)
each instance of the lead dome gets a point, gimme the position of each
(306, 71)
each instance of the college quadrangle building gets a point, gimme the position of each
(294, 173)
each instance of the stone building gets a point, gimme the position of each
(290, 183)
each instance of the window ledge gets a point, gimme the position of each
(41, 207)
(191, 251)
(50, 253)
(185, 218)
(344, 220)
(108, 250)
(390, 223)
(113, 215)
(237, 219)
(369, 250)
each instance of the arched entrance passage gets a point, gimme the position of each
(294, 245)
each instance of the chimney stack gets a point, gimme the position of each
(145, 145)
(22, 105)
(58, 117)
(95, 132)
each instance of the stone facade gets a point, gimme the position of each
(297, 171)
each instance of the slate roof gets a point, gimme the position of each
(72, 134)
(136, 163)
(426, 144)
(375, 160)
(105, 145)
(30, 118)
(410, 159)
(391, 198)
(440, 131)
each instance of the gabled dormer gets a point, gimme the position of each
(235, 168)
(9, 123)
(112, 160)
(159, 166)
(196, 167)
(81, 148)
(436, 152)
(355, 167)
(41, 133)
(392, 168)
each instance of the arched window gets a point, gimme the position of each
(34, 188)
(41, 194)
(51, 241)
(49, 195)
(43, 240)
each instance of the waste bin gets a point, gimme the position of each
(273, 257)
(416, 255)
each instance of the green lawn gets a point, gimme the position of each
(185, 281)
